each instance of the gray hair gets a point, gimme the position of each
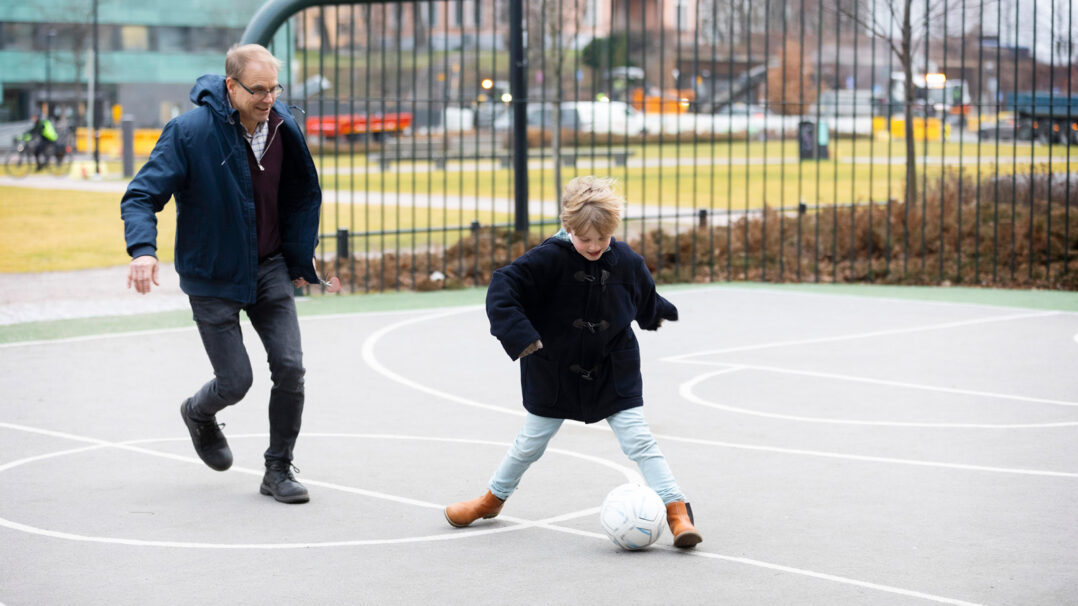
(239, 57)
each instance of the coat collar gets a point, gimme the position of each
(609, 257)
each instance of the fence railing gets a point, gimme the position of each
(771, 141)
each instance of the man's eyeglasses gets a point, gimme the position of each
(262, 92)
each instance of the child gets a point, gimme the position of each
(564, 310)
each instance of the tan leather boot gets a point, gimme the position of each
(464, 513)
(679, 517)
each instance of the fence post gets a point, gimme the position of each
(342, 244)
(518, 67)
(127, 129)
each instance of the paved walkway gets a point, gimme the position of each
(35, 297)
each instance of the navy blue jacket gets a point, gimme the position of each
(589, 367)
(201, 159)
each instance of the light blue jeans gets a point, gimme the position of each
(633, 435)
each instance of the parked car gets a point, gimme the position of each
(1003, 126)
(597, 117)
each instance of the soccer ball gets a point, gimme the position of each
(632, 516)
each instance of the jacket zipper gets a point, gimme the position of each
(268, 143)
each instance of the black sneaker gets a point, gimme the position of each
(281, 484)
(210, 443)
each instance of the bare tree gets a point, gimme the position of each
(547, 39)
(880, 18)
(73, 21)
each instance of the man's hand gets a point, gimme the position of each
(332, 285)
(141, 272)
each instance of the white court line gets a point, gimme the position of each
(863, 335)
(394, 376)
(868, 458)
(372, 361)
(887, 382)
(630, 475)
(837, 579)
(517, 523)
(778, 567)
(685, 390)
(370, 358)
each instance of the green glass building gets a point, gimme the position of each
(150, 53)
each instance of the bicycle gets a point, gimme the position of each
(57, 159)
(20, 158)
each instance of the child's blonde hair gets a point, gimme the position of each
(591, 202)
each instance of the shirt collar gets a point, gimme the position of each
(261, 126)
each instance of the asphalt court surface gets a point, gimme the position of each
(836, 450)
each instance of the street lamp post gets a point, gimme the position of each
(48, 69)
(93, 115)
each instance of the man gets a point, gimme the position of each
(247, 208)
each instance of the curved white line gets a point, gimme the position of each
(368, 355)
(50, 455)
(260, 546)
(685, 390)
(372, 361)
(518, 523)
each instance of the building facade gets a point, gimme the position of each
(149, 54)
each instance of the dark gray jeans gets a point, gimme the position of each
(273, 316)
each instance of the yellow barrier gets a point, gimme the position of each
(111, 141)
(923, 128)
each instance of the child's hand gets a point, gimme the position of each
(529, 350)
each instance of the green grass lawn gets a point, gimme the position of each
(50, 230)
(54, 230)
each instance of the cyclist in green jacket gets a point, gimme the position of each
(42, 139)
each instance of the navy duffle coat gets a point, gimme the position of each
(589, 366)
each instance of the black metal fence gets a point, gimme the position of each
(776, 141)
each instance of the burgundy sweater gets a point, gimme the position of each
(265, 179)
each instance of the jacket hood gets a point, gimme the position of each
(209, 90)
